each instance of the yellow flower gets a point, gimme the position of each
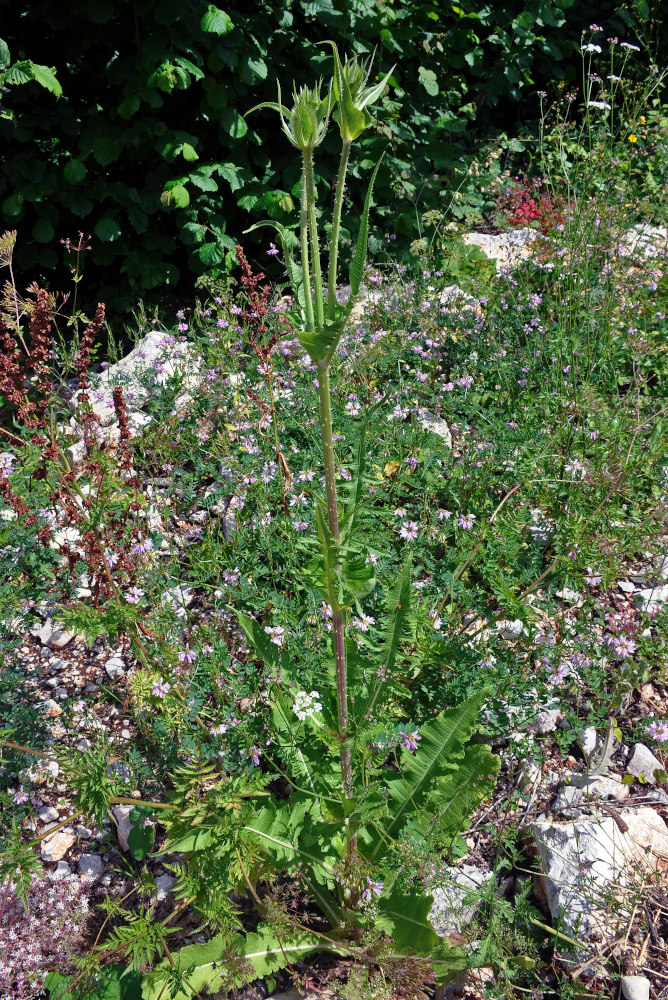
(633, 138)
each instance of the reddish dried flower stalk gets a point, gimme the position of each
(254, 316)
(121, 411)
(18, 506)
(88, 338)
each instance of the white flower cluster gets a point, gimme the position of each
(306, 705)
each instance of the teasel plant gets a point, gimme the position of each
(319, 331)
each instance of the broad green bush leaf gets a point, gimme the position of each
(129, 106)
(5, 58)
(189, 152)
(406, 918)
(20, 72)
(216, 21)
(211, 254)
(74, 171)
(176, 195)
(428, 79)
(46, 77)
(107, 229)
(233, 123)
(43, 231)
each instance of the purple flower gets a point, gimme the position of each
(160, 688)
(372, 888)
(592, 578)
(466, 381)
(412, 462)
(133, 595)
(187, 655)
(558, 674)
(409, 530)
(141, 548)
(6, 464)
(657, 730)
(20, 796)
(255, 753)
(410, 740)
(466, 521)
(276, 633)
(272, 251)
(362, 622)
(300, 525)
(623, 646)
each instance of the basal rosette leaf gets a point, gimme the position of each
(440, 751)
(203, 968)
(456, 796)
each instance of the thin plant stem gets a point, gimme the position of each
(336, 225)
(303, 237)
(338, 619)
(313, 234)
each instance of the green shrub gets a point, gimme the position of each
(147, 149)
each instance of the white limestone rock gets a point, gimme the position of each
(449, 915)
(643, 763)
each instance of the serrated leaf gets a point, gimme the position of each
(231, 174)
(407, 920)
(176, 195)
(129, 106)
(233, 123)
(439, 752)
(189, 152)
(427, 78)
(74, 171)
(46, 77)
(107, 229)
(216, 21)
(5, 58)
(457, 795)
(20, 72)
(259, 640)
(201, 179)
(43, 231)
(211, 254)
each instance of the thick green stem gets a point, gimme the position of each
(313, 233)
(338, 621)
(303, 236)
(336, 225)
